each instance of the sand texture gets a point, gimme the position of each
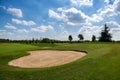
(46, 58)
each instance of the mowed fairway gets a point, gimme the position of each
(102, 62)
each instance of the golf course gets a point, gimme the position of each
(59, 39)
(101, 62)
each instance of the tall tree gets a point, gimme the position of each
(93, 38)
(105, 35)
(33, 40)
(70, 38)
(80, 36)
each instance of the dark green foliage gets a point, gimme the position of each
(45, 40)
(105, 35)
(70, 38)
(33, 40)
(93, 38)
(80, 36)
(4, 40)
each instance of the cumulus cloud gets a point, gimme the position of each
(96, 18)
(23, 22)
(15, 12)
(82, 2)
(54, 14)
(22, 31)
(75, 16)
(60, 9)
(107, 11)
(9, 26)
(107, 1)
(42, 28)
(71, 16)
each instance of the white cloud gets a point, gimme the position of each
(1, 31)
(42, 29)
(9, 26)
(50, 27)
(4, 33)
(82, 2)
(116, 6)
(71, 16)
(75, 16)
(96, 18)
(107, 11)
(9, 33)
(61, 26)
(23, 22)
(22, 31)
(88, 31)
(107, 1)
(114, 29)
(116, 36)
(115, 33)
(62, 36)
(113, 24)
(53, 14)
(15, 12)
(60, 9)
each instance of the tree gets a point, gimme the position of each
(33, 40)
(70, 38)
(105, 35)
(93, 38)
(36, 41)
(45, 40)
(80, 36)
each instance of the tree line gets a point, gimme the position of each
(105, 36)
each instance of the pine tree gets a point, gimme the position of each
(105, 35)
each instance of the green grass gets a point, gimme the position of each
(101, 63)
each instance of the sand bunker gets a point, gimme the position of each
(46, 58)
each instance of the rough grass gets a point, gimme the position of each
(101, 63)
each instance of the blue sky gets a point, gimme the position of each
(56, 19)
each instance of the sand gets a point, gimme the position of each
(46, 58)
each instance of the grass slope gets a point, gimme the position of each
(101, 63)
